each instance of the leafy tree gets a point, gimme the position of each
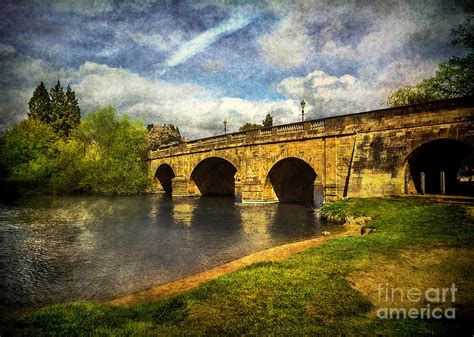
(250, 126)
(69, 175)
(454, 78)
(113, 153)
(105, 154)
(40, 104)
(268, 121)
(27, 154)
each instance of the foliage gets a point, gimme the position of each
(334, 211)
(58, 104)
(113, 158)
(28, 149)
(249, 126)
(58, 108)
(454, 78)
(268, 121)
(311, 293)
(161, 135)
(40, 104)
(71, 114)
(105, 154)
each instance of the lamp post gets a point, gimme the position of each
(225, 126)
(302, 110)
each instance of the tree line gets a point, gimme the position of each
(54, 151)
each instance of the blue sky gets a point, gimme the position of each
(196, 63)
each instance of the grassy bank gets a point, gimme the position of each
(331, 289)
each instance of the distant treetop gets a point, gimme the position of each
(57, 108)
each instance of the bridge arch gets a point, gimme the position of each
(214, 176)
(291, 180)
(432, 160)
(164, 175)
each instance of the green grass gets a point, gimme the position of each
(316, 292)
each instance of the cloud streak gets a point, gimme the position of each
(202, 41)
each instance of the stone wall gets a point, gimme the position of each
(358, 155)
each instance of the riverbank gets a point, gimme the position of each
(328, 289)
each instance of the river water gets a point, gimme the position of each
(55, 249)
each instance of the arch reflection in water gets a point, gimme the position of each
(183, 212)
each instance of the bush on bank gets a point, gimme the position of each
(105, 154)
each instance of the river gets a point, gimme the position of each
(61, 248)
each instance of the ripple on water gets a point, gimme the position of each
(64, 248)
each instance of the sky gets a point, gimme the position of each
(195, 64)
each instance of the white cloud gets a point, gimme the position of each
(403, 72)
(202, 41)
(330, 48)
(328, 95)
(389, 33)
(356, 31)
(373, 39)
(288, 45)
(197, 111)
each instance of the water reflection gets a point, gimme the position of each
(183, 212)
(62, 248)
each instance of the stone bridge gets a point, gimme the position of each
(393, 151)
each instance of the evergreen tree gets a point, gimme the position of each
(268, 121)
(40, 104)
(58, 100)
(59, 109)
(71, 113)
(66, 113)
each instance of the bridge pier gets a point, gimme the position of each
(180, 186)
(374, 153)
(183, 187)
(252, 190)
(238, 190)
